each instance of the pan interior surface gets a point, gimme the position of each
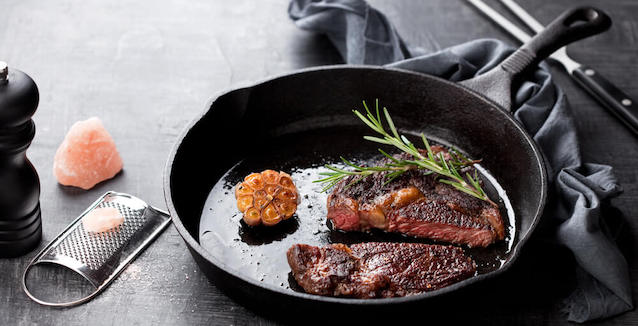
(297, 123)
(259, 252)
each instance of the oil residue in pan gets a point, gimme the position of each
(260, 253)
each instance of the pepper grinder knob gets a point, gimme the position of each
(4, 72)
(20, 220)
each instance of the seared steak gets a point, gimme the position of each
(377, 269)
(416, 204)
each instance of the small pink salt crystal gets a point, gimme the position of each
(102, 219)
(86, 156)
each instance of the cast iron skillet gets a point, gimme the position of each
(315, 104)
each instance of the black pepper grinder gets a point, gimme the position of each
(20, 222)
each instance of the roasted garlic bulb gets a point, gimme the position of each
(267, 197)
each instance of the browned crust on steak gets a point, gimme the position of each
(377, 270)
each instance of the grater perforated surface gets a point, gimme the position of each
(94, 250)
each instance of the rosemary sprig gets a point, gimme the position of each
(336, 174)
(433, 163)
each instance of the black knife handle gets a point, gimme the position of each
(617, 102)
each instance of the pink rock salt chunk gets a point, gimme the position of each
(86, 156)
(102, 219)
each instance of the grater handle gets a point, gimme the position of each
(54, 304)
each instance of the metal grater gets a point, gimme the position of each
(101, 257)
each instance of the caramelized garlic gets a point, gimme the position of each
(268, 197)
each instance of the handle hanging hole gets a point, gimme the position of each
(585, 16)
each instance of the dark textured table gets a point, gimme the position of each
(147, 67)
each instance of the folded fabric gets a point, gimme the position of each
(363, 35)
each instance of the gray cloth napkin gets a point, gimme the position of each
(363, 35)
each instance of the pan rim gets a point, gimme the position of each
(195, 246)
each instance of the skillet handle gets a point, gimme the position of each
(572, 25)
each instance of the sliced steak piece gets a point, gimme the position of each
(417, 204)
(436, 220)
(377, 269)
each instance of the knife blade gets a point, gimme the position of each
(523, 15)
(501, 21)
